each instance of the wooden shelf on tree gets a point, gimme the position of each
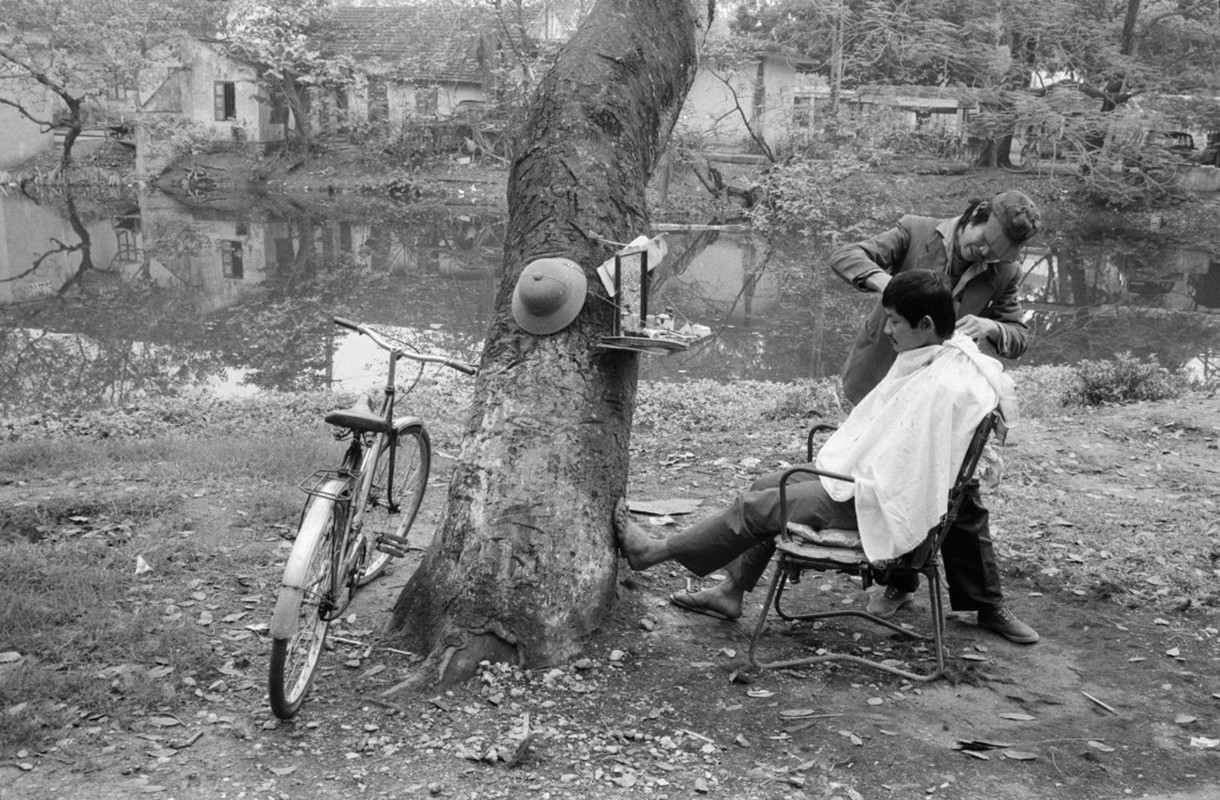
(634, 329)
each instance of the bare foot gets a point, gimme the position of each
(640, 548)
(722, 601)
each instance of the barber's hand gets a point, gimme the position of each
(977, 327)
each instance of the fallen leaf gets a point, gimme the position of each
(760, 693)
(1105, 748)
(1184, 719)
(282, 771)
(1016, 716)
(1204, 742)
(1019, 755)
(797, 713)
(979, 744)
(164, 722)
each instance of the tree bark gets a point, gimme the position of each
(523, 566)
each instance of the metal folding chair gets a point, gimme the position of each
(800, 548)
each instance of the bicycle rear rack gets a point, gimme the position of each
(316, 483)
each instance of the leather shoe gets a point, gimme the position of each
(886, 604)
(1002, 621)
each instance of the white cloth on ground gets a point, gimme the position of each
(904, 443)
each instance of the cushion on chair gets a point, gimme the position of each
(839, 545)
(827, 537)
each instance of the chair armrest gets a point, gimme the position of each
(813, 432)
(783, 487)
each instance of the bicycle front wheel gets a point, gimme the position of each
(298, 628)
(390, 511)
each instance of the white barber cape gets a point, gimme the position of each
(904, 443)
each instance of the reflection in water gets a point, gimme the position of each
(106, 304)
(103, 306)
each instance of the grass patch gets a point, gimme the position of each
(91, 640)
(705, 405)
(35, 521)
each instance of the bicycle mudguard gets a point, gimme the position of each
(313, 527)
(401, 423)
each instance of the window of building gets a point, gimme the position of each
(379, 100)
(279, 110)
(802, 111)
(225, 100)
(231, 265)
(426, 101)
(285, 253)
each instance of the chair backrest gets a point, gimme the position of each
(974, 451)
(918, 558)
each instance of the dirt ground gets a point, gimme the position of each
(1106, 530)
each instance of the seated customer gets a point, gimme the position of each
(903, 444)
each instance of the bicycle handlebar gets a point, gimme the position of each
(378, 340)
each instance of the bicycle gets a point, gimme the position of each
(355, 521)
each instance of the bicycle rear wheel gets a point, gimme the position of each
(299, 626)
(412, 462)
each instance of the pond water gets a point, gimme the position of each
(105, 303)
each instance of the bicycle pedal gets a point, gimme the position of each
(392, 545)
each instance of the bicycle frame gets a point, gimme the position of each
(356, 520)
(350, 547)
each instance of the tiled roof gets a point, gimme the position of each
(416, 42)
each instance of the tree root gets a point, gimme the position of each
(456, 659)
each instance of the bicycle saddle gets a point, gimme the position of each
(358, 418)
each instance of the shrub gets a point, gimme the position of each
(1124, 379)
(1044, 390)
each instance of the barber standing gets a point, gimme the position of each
(980, 252)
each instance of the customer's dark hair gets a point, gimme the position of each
(922, 293)
(977, 212)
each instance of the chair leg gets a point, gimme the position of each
(775, 591)
(936, 602)
(777, 580)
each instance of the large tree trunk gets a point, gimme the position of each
(523, 566)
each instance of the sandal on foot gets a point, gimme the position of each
(686, 602)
